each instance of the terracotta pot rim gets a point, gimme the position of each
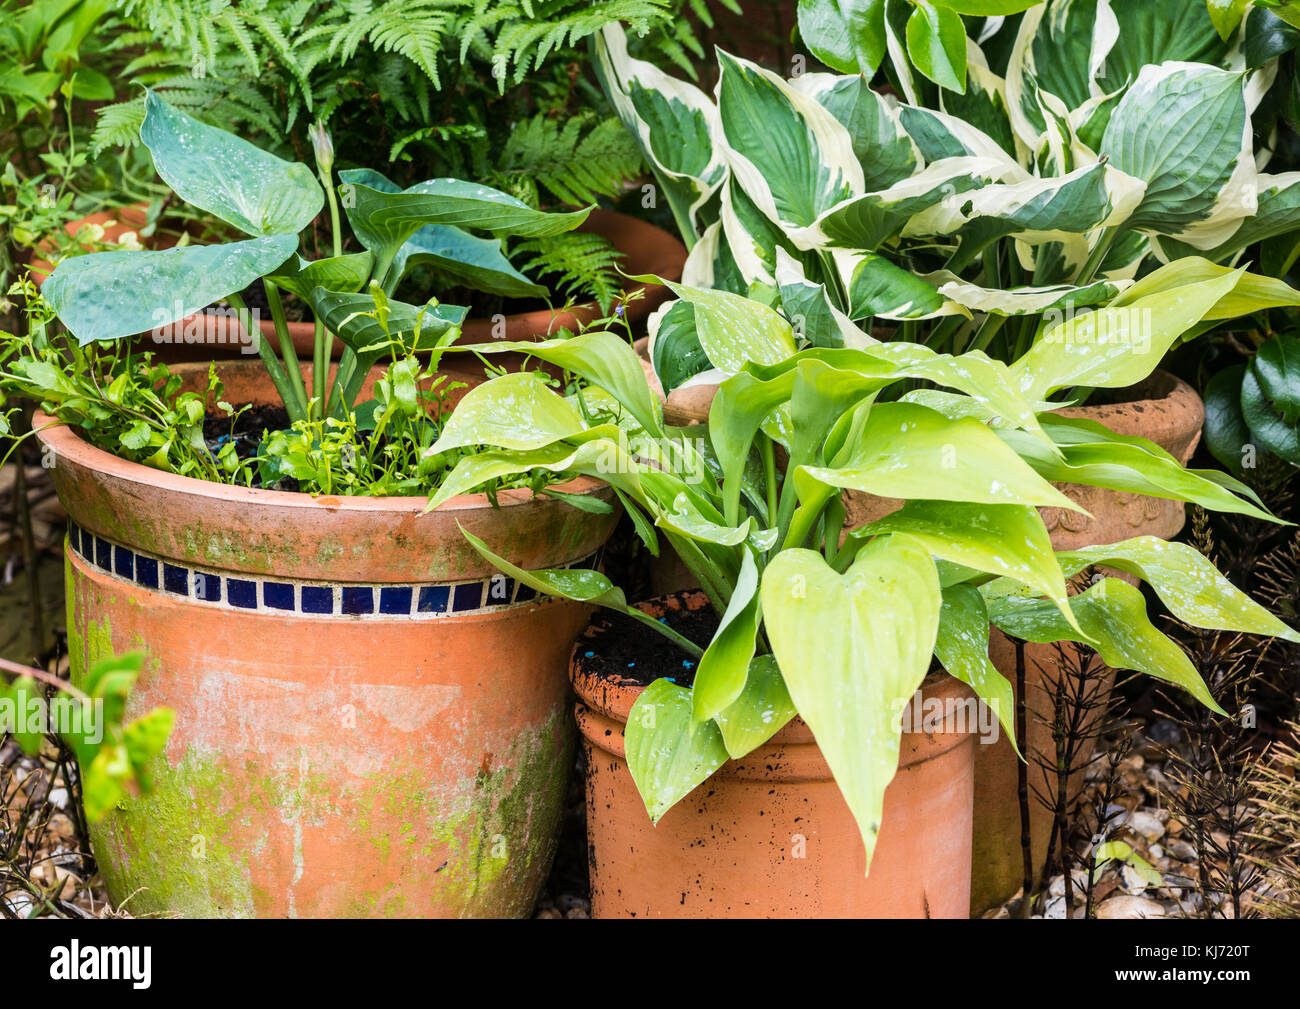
(1178, 394)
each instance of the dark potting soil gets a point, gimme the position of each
(625, 649)
(247, 433)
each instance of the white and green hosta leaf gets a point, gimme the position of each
(853, 649)
(1277, 212)
(876, 286)
(712, 263)
(1060, 299)
(1200, 171)
(792, 157)
(883, 148)
(984, 105)
(1193, 589)
(939, 135)
(813, 316)
(1113, 617)
(675, 124)
(674, 344)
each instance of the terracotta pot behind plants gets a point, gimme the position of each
(370, 720)
(770, 835)
(646, 248)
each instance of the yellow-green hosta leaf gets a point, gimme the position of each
(668, 752)
(733, 330)
(1193, 589)
(724, 666)
(1113, 617)
(760, 712)
(962, 647)
(1251, 294)
(853, 649)
(577, 584)
(514, 411)
(910, 451)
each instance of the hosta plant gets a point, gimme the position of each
(455, 227)
(842, 629)
(974, 224)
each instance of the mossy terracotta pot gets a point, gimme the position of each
(646, 249)
(770, 836)
(370, 721)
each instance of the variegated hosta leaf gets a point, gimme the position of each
(877, 287)
(674, 344)
(1193, 589)
(853, 649)
(753, 241)
(939, 135)
(674, 122)
(1113, 617)
(1277, 213)
(1060, 299)
(792, 157)
(962, 646)
(1200, 170)
(983, 104)
(883, 148)
(909, 451)
(712, 262)
(812, 315)
(1116, 347)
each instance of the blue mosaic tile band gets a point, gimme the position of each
(276, 595)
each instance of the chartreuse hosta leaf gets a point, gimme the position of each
(109, 295)
(1113, 617)
(674, 122)
(962, 648)
(227, 176)
(1193, 589)
(910, 451)
(668, 751)
(734, 330)
(1200, 173)
(724, 667)
(1251, 294)
(515, 411)
(1004, 540)
(853, 649)
(760, 712)
(793, 158)
(578, 584)
(1116, 347)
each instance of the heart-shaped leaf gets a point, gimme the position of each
(668, 752)
(759, 713)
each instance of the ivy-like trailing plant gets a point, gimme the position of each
(976, 224)
(842, 629)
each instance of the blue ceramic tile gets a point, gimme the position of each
(525, 593)
(468, 596)
(74, 538)
(123, 563)
(358, 599)
(103, 554)
(500, 590)
(242, 593)
(277, 595)
(176, 579)
(395, 599)
(207, 587)
(146, 571)
(317, 599)
(433, 598)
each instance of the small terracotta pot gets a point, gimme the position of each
(770, 836)
(370, 720)
(646, 248)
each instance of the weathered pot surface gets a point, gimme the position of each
(770, 835)
(369, 719)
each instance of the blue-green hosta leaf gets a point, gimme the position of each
(477, 263)
(1251, 294)
(668, 752)
(909, 451)
(674, 123)
(1113, 617)
(724, 666)
(602, 358)
(227, 176)
(1193, 589)
(1200, 173)
(1010, 541)
(760, 712)
(353, 317)
(1226, 432)
(883, 148)
(343, 274)
(962, 647)
(384, 221)
(1116, 347)
(109, 295)
(792, 157)
(515, 411)
(846, 35)
(853, 649)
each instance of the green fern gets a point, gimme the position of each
(575, 264)
(573, 163)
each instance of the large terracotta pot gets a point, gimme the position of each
(770, 835)
(370, 721)
(647, 249)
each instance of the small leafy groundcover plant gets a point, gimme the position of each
(842, 629)
(103, 297)
(1090, 148)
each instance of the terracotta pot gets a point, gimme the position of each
(646, 248)
(370, 721)
(770, 835)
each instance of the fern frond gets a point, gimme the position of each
(576, 264)
(575, 167)
(117, 126)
